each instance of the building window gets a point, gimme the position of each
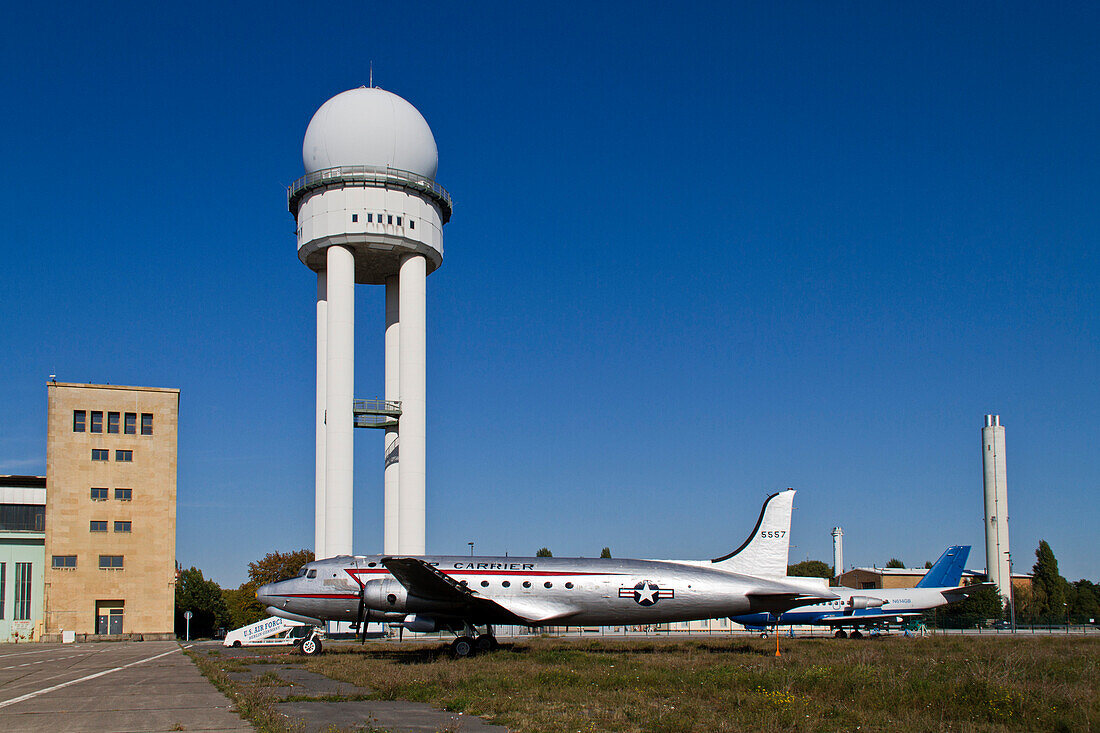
(112, 422)
(110, 562)
(99, 494)
(129, 424)
(399, 221)
(97, 422)
(370, 218)
(146, 423)
(97, 526)
(78, 421)
(64, 561)
(101, 454)
(389, 218)
(22, 518)
(3, 585)
(123, 494)
(412, 224)
(122, 526)
(22, 591)
(124, 455)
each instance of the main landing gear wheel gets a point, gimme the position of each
(311, 646)
(856, 634)
(486, 643)
(236, 645)
(841, 634)
(462, 647)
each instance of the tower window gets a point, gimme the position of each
(78, 421)
(96, 526)
(122, 526)
(110, 562)
(112, 422)
(121, 494)
(64, 561)
(124, 455)
(97, 422)
(355, 217)
(101, 454)
(99, 494)
(146, 423)
(129, 423)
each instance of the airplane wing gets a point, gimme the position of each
(963, 592)
(782, 601)
(864, 618)
(421, 579)
(535, 611)
(424, 580)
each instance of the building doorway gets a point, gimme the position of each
(109, 617)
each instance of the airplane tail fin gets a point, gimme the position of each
(764, 552)
(947, 571)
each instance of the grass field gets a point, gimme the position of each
(890, 684)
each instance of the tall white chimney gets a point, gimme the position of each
(838, 551)
(997, 560)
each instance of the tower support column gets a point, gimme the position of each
(392, 480)
(413, 384)
(339, 386)
(997, 560)
(320, 507)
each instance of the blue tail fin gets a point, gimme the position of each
(947, 571)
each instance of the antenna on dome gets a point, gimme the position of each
(372, 75)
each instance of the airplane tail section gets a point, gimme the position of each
(947, 571)
(764, 552)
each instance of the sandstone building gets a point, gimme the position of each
(111, 510)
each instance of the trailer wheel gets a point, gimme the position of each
(237, 644)
(311, 646)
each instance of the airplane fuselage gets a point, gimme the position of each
(899, 603)
(533, 591)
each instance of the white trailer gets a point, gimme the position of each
(273, 631)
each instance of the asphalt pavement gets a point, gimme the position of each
(115, 686)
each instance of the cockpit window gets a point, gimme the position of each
(311, 574)
(301, 572)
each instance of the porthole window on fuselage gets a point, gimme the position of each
(506, 584)
(568, 585)
(485, 584)
(527, 584)
(548, 584)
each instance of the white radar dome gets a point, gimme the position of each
(370, 127)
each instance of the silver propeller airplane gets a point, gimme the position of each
(456, 593)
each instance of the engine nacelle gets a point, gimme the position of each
(857, 602)
(422, 624)
(385, 595)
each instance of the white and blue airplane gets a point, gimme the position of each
(860, 608)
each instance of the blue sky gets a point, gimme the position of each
(698, 255)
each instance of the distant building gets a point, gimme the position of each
(22, 556)
(867, 578)
(110, 539)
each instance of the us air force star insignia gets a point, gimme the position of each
(646, 593)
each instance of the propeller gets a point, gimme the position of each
(361, 615)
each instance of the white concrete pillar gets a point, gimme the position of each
(319, 507)
(339, 394)
(413, 428)
(392, 516)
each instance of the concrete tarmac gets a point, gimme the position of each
(110, 686)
